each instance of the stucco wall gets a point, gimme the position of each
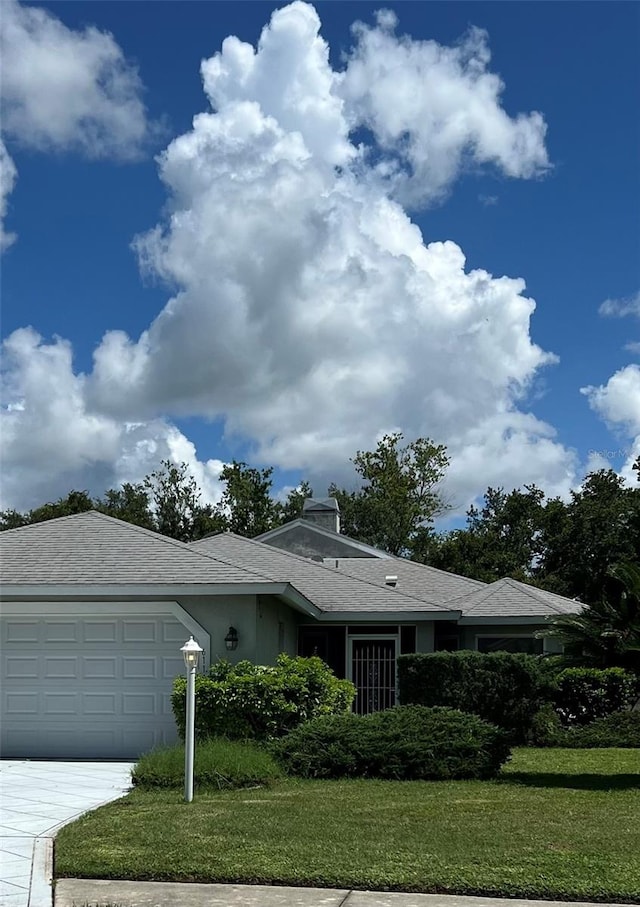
(276, 629)
(217, 613)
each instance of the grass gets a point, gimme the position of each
(560, 824)
(218, 763)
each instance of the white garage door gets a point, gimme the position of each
(88, 687)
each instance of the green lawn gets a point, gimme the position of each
(558, 824)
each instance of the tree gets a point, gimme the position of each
(175, 501)
(505, 537)
(292, 507)
(600, 528)
(605, 634)
(247, 506)
(129, 503)
(400, 498)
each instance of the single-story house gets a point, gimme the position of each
(94, 612)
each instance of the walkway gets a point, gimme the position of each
(36, 799)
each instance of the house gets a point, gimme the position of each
(94, 612)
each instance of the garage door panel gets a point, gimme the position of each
(22, 631)
(140, 631)
(99, 667)
(20, 666)
(19, 704)
(94, 704)
(110, 700)
(102, 631)
(61, 631)
(60, 666)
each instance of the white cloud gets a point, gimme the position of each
(64, 89)
(311, 317)
(51, 441)
(8, 176)
(618, 403)
(630, 305)
(432, 109)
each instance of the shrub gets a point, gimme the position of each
(217, 763)
(546, 727)
(501, 687)
(621, 729)
(406, 742)
(584, 694)
(247, 701)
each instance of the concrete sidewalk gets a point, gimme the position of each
(93, 893)
(36, 800)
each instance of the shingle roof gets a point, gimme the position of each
(418, 580)
(329, 588)
(510, 598)
(94, 549)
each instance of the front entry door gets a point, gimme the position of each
(373, 671)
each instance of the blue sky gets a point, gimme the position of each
(296, 331)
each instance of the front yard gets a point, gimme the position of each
(561, 824)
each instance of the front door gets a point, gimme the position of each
(372, 663)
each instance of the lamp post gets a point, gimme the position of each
(191, 652)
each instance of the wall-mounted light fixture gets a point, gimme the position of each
(231, 639)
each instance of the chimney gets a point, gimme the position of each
(323, 512)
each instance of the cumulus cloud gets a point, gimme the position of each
(311, 316)
(8, 175)
(618, 403)
(65, 89)
(432, 109)
(51, 441)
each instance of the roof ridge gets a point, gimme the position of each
(534, 592)
(308, 562)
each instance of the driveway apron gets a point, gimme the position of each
(36, 799)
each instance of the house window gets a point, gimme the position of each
(328, 643)
(527, 645)
(446, 643)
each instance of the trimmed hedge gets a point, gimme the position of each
(403, 743)
(621, 729)
(503, 688)
(256, 702)
(585, 694)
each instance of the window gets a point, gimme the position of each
(527, 645)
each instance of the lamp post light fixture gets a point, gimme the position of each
(231, 639)
(191, 652)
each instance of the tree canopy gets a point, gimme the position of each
(400, 496)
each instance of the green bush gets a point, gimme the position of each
(217, 763)
(546, 727)
(585, 694)
(404, 743)
(501, 687)
(621, 729)
(256, 702)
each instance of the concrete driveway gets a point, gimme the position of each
(36, 799)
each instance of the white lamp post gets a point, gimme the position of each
(191, 652)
